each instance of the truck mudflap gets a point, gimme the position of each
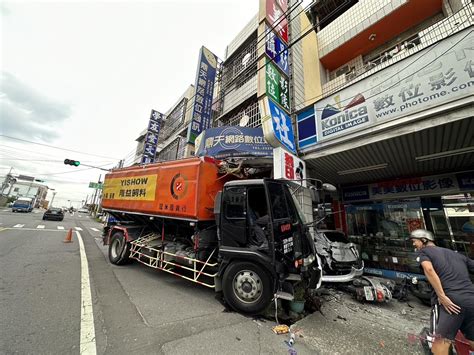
(345, 278)
(150, 250)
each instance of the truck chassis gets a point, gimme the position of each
(148, 250)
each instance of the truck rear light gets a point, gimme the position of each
(298, 263)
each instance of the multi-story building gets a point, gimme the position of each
(393, 126)
(381, 97)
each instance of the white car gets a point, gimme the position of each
(340, 258)
(83, 210)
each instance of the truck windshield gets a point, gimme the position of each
(283, 205)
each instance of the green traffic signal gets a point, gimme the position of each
(72, 162)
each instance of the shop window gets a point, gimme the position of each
(382, 231)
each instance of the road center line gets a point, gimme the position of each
(87, 342)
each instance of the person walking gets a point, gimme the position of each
(452, 299)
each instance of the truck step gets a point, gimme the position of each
(284, 295)
(293, 277)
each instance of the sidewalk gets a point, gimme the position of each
(346, 326)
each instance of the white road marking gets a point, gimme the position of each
(95, 229)
(5, 210)
(87, 342)
(40, 226)
(78, 228)
(60, 227)
(18, 226)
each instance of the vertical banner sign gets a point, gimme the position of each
(277, 127)
(204, 86)
(275, 14)
(151, 139)
(277, 50)
(277, 86)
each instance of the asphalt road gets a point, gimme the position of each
(135, 309)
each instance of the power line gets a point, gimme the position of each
(55, 147)
(264, 36)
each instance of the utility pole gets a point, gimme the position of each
(6, 181)
(51, 204)
(94, 211)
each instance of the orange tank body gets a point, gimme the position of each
(183, 189)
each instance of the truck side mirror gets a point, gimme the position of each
(329, 187)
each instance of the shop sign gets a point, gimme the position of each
(204, 86)
(288, 166)
(151, 138)
(356, 193)
(429, 78)
(277, 127)
(392, 274)
(277, 86)
(230, 141)
(420, 186)
(276, 16)
(466, 180)
(277, 50)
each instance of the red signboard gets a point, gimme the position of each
(276, 17)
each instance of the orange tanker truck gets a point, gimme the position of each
(244, 238)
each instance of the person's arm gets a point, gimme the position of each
(470, 264)
(435, 282)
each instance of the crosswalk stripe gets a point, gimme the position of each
(40, 226)
(60, 227)
(18, 226)
(78, 228)
(95, 229)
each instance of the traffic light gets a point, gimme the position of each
(72, 162)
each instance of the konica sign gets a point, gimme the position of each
(432, 77)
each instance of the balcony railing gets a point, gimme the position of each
(435, 33)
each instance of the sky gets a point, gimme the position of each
(79, 79)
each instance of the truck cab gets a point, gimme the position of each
(263, 243)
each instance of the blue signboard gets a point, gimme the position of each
(356, 193)
(204, 86)
(392, 274)
(151, 138)
(306, 128)
(282, 127)
(277, 50)
(231, 141)
(466, 180)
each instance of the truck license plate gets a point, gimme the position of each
(369, 296)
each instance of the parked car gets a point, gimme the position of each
(340, 258)
(83, 210)
(23, 204)
(56, 214)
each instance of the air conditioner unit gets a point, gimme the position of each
(343, 70)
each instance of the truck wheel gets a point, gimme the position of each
(247, 287)
(119, 249)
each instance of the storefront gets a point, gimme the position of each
(379, 217)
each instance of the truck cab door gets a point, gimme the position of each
(287, 229)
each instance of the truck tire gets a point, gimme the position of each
(247, 287)
(119, 249)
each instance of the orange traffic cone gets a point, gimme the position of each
(68, 236)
